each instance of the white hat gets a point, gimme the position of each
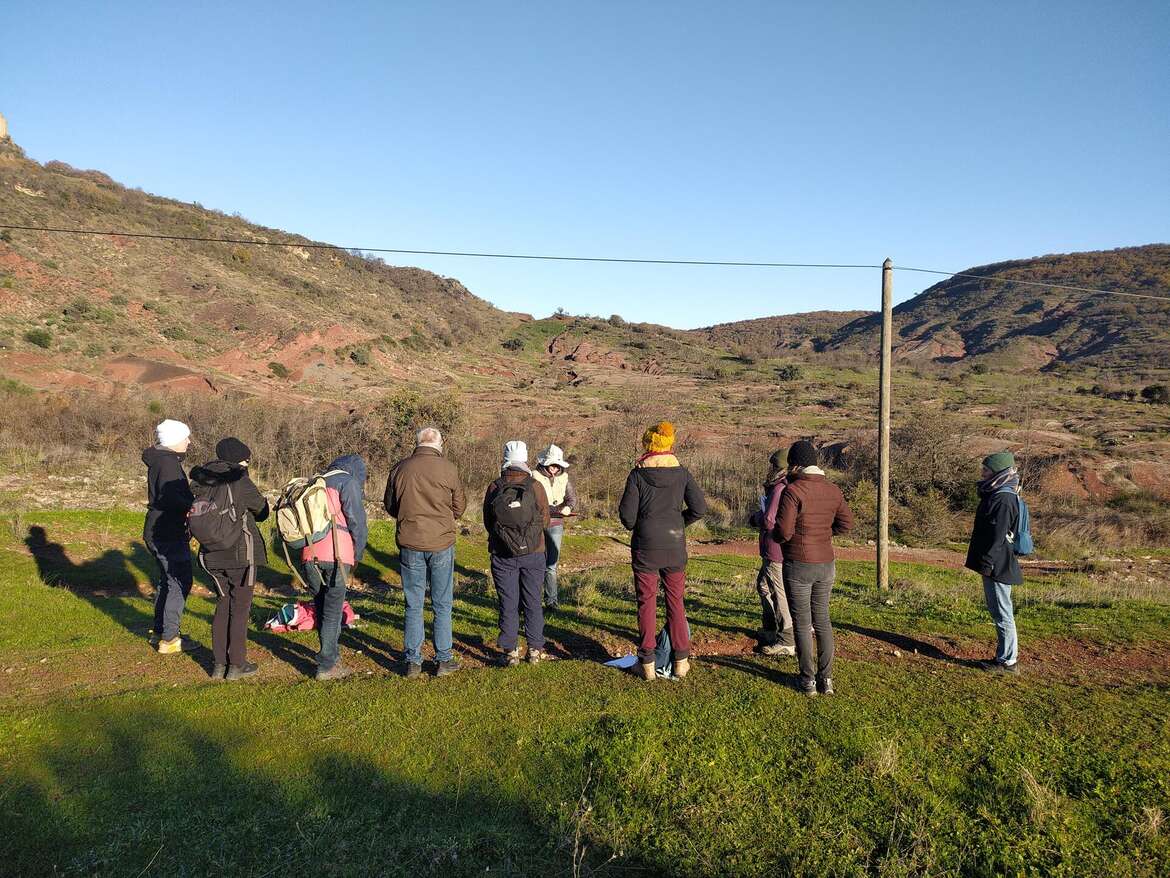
(171, 432)
(553, 456)
(515, 452)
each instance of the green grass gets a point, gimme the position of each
(116, 761)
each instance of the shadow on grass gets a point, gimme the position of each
(118, 795)
(909, 644)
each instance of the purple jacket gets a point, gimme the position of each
(770, 548)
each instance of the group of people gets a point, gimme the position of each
(524, 513)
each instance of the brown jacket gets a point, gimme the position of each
(426, 496)
(812, 510)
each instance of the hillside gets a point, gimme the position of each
(1015, 326)
(777, 336)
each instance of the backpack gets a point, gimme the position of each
(303, 516)
(1021, 540)
(214, 521)
(519, 523)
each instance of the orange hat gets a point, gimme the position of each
(659, 438)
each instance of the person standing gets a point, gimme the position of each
(660, 500)
(425, 495)
(552, 473)
(328, 562)
(232, 570)
(168, 500)
(812, 510)
(992, 553)
(516, 515)
(776, 636)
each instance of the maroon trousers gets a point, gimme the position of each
(646, 588)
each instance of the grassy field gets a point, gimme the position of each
(116, 761)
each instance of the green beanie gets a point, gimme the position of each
(999, 461)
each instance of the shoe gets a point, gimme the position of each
(1000, 668)
(510, 659)
(238, 672)
(217, 673)
(552, 606)
(825, 686)
(448, 667)
(811, 692)
(174, 646)
(778, 649)
(646, 670)
(337, 672)
(681, 668)
(412, 670)
(536, 656)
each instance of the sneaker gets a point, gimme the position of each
(337, 672)
(448, 667)
(778, 649)
(810, 691)
(825, 686)
(412, 670)
(174, 646)
(552, 605)
(510, 659)
(238, 672)
(536, 656)
(217, 673)
(1001, 668)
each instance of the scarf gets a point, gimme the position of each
(1008, 478)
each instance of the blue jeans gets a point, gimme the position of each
(172, 587)
(421, 570)
(999, 603)
(663, 663)
(552, 554)
(328, 589)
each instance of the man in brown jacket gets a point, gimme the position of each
(425, 495)
(812, 510)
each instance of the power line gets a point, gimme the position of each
(602, 259)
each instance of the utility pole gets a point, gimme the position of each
(883, 501)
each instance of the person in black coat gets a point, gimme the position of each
(992, 555)
(233, 570)
(660, 501)
(168, 500)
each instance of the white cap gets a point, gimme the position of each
(553, 456)
(515, 452)
(171, 432)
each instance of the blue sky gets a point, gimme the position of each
(942, 135)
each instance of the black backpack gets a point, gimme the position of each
(214, 520)
(519, 522)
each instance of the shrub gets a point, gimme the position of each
(616, 320)
(6, 236)
(789, 372)
(78, 308)
(42, 338)
(1156, 393)
(174, 333)
(94, 350)
(7, 282)
(119, 301)
(979, 369)
(512, 344)
(361, 356)
(278, 369)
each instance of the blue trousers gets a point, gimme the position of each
(518, 585)
(172, 586)
(421, 570)
(327, 583)
(999, 603)
(552, 554)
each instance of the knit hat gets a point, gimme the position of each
(515, 452)
(659, 438)
(171, 432)
(999, 461)
(802, 453)
(232, 450)
(553, 456)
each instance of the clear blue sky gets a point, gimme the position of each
(942, 135)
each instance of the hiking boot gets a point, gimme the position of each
(1000, 668)
(448, 667)
(681, 668)
(536, 656)
(217, 673)
(238, 672)
(778, 649)
(510, 659)
(174, 646)
(337, 672)
(412, 670)
(825, 686)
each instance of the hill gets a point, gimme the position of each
(1015, 326)
(776, 336)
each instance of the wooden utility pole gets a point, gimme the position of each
(883, 500)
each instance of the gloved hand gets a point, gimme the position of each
(566, 510)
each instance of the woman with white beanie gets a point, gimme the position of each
(168, 499)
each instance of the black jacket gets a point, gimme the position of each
(248, 502)
(991, 552)
(168, 497)
(658, 504)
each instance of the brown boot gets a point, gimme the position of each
(682, 667)
(647, 671)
